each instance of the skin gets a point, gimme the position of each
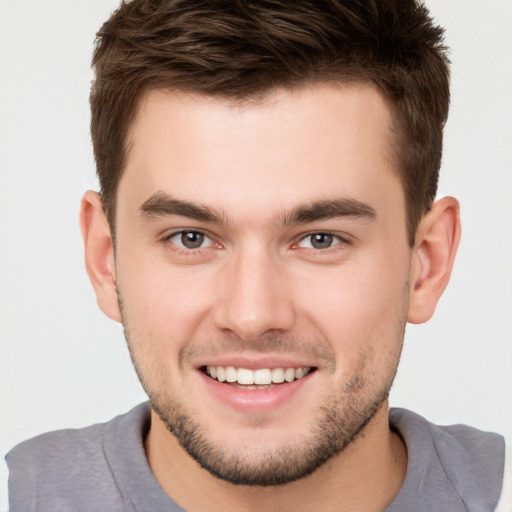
(257, 293)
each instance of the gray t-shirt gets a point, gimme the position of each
(103, 468)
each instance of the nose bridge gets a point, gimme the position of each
(254, 293)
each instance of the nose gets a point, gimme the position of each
(254, 296)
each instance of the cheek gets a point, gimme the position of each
(164, 303)
(360, 311)
(161, 314)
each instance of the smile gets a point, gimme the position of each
(261, 376)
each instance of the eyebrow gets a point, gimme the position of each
(330, 209)
(161, 204)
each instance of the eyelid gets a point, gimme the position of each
(176, 232)
(343, 239)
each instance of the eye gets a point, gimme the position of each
(319, 241)
(190, 240)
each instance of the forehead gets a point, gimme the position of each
(288, 147)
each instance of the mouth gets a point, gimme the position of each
(261, 378)
(252, 388)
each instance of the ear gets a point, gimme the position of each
(434, 252)
(99, 254)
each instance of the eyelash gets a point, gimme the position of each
(341, 240)
(186, 250)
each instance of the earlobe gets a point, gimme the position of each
(437, 240)
(99, 254)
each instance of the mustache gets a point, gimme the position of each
(276, 343)
(272, 343)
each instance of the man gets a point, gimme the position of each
(266, 227)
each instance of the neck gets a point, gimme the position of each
(366, 476)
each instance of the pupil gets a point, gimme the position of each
(192, 240)
(321, 241)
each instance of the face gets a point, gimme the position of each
(262, 269)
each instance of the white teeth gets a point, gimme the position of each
(263, 376)
(289, 375)
(245, 376)
(300, 372)
(231, 374)
(259, 377)
(278, 375)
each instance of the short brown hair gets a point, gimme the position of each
(241, 49)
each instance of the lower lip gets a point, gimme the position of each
(254, 400)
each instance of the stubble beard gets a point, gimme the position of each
(340, 420)
(337, 427)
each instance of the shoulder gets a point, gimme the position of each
(505, 503)
(473, 446)
(62, 446)
(463, 464)
(66, 464)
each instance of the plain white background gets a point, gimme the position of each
(63, 364)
